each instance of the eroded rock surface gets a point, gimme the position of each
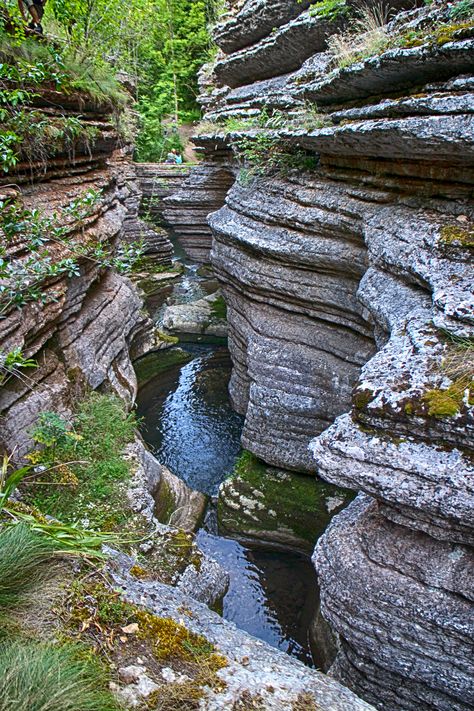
(255, 672)
(357, 276)
(187, 209)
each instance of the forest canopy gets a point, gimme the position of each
(160, 43)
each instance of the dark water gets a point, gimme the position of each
(188, 420)
(190, 426)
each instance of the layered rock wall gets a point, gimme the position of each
(187, 209)
(359, 272)
(82, 328)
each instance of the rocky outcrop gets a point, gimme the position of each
(260, 503)
(187, 209)
(290, 255)
(78, 325)
(157, 181)
(170, 551)
(358, 273)
(157, 247)
(255, 674)
(205, 316)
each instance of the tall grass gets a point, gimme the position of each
(23, 555)
(46, 677)
(366, 36)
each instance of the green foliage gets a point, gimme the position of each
(462, 10)
(23, 554)
(219, 308)
(331, 9)
(261, 154)
(40, 677)
(12, 363)
(51, 430)
(22, 281)
(89, 466)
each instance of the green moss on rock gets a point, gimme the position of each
(448, 402)
(459, 236)
(259, 501)
(158, 362)
(361, 398)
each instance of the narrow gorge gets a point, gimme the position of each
(236, 395)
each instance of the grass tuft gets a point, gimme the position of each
(23, 554)
(46, 677)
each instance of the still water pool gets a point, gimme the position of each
(190, 426)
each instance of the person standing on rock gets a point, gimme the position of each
(36, 10)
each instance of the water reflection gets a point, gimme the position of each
(271, 593)
(188, 419)
(189, 424)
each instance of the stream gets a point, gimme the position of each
(188, 423)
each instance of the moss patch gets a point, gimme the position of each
(448, 402)
(118, 632)
(361, 398)
(219, 308)
(457, 236)
(156, 363)
(259, 500)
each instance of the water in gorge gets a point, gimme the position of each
(188, 423)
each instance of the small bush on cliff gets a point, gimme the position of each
(331, 9)
(23, 279)
(85, 486)
(262, 154)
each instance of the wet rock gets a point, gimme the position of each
(153, 487)
(205, 316)
(178, 504)
(266, 504)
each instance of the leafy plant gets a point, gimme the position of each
(262, 153)
(23, 279)
(12, 363)
(51, 430)
(331, 9)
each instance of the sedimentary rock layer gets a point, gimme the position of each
(187, 209)
(290, 260)
(375, 242)
(81, 330)
(157, 181)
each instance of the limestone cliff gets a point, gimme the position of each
(84, 201)
(344, 251)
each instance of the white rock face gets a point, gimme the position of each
(349, 289)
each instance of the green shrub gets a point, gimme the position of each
(46, 677)
(89, 466)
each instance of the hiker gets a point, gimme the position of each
(174, 157)
(36, 10)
